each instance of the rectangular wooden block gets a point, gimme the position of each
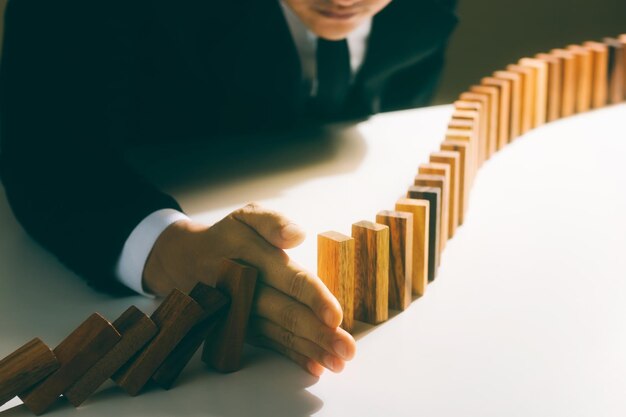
(461, 148)
(423, 263)
(617, 70)
(453, 161)
(224, 347)
(371, 286)
(449, 215)
(515, 105)
(485, 123)
(400, 226)
(540, 106)
(569, 81)
(622, 39)
(175, 317)
(600, 64)
(433, 196)
(471, 165)
(584, 74)
(214, 304)
(479, 107)
(136, 329)
(528, 95)
(335, 267)
(25, 367)
(504, 108)
(493, 115)
(555, 85)
(78, 352)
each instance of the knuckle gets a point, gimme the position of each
(289, 318)
(287, 339)
(298, 284)
(320, 338)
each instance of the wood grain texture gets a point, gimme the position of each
(460, 147)
(335, 267)
(27, 366)
(423, 264)
(600, 69)
(400, 226)
(214, 303)
(493, 114)
(481, 108)
(224, 347)
(528, 95)
(569, 81)
(555, 85)
(433, 196)
(515, 106)
(77, 353)
(485, 123)
(617, 70)
(439, 182)
(175, 317)
(541, 89)
(136, 329)
(504, 108)
(371, 285)
(584, 76)
(471, 163)
(449, 215)
(452, 160)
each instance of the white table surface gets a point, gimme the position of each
(527, 316)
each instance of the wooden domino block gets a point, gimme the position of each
(453, 161)
(555, 85)
(460, 147)
(504, 108)
(541, 89)
(528, 95)
(569, 81)
(622, 39)
(600, 69)
(515, 106)
(584, 73)
(616, 71)
(481, 109)
(214, 303)
(485, 123)
(438, 182)
(136, 329)
(335, 267)
(224, 347)
(471, 164)
(433, 196)
(175, 317)
(423, 262)
(450, 215)
(493, 95)
(25, 367)
(77, 353)
(371, 286)
(400, 257)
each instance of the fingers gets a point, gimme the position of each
(307, 364)
(301, 330)
(296, 344)
(272, 226)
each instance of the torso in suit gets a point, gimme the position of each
(82, 78)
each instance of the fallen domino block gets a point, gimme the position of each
(423, 262)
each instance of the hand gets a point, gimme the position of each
(293, 312)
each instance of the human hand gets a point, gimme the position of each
(293, 312)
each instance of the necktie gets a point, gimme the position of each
(333, 76)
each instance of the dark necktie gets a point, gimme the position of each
(333, 76)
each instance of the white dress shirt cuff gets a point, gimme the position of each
(137, 248)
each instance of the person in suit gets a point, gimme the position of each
(80, 80)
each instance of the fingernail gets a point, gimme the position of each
(329, 362)
(329, 318)
(291, 231)
(341, 349)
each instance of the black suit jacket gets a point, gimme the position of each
(80, 79)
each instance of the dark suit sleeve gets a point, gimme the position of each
(66, 77)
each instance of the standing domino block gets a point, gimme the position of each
(433, 197)
(400, 257)
(471, 165)
(438, 182)
(569, 81)
(224, 347)
(541, 88)
(600, 60)
(555, 85)
(422, 261)
(617, 70)
(584, 73)
(452, 160)
(460, 147)
(25, 367)
(494, 115)
(136, 330)
(481, 109)
(335, 267)
(371, 286)
(76, 354)
(622, 40)
(485, 122)
(176, 315)
(528, 95)
(515, 106)
(450, 215)
(504, 108)
(214, 303)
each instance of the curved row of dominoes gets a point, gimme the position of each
(387, 261)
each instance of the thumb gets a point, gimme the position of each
(271, 225)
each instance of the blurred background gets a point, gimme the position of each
(492, 34)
